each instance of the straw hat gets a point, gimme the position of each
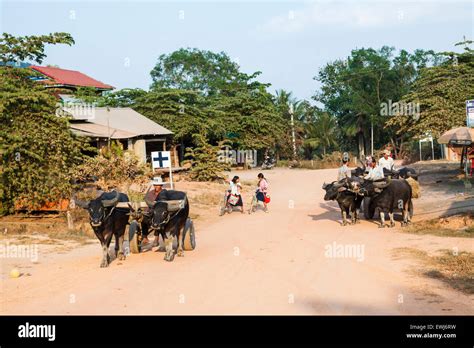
(157, 181)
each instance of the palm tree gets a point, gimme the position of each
(321, 132)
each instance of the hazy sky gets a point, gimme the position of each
(118, 42)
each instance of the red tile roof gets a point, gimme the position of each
(70, 77)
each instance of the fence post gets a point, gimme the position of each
(70, 223)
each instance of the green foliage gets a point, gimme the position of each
(113, 168)
(202, 71)
(204, 160)
(38, 151)
(183, 112)
(441, 91)
(20, 48)
(203, 92)
(126, 97)
(321, 132)
(251, 115)
(353, 90)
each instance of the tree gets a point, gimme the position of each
(196, 70)
(38, 150)
(20, 48)
(302, 114)
(204, 160)
(441, 92)
(354, 90)
(181, 111)
(126, 97)
(203, 92)
(250, 117)
(321, 132)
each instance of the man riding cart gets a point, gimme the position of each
(166, 213)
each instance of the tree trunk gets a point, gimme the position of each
(360, 139)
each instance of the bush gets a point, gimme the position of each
(113, 169)
(37, 149)
(204, 160)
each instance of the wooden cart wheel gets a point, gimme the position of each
(189, 237)
(134, 232)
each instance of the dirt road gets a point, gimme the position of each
(264, 263)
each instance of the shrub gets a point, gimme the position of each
(113, 169)
(204, 160)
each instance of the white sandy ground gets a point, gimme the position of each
(264, 263)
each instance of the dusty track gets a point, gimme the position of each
(271, 263)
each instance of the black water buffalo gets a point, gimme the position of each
(348, 201)
(388, 195)
(358, 172)
(107, 220)
(402, 173)
(168, 218)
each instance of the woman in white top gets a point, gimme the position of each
(235, 198)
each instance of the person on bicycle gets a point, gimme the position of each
(262, 191)
(234, 197)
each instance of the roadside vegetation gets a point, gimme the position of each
(453, 269)
(207, 100)
(461, 225)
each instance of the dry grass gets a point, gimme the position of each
(461, 225)
(455, 270)
(47, 231)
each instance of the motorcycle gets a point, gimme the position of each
(268, 163)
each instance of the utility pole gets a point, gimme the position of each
(372, 138)
(108, 128)
(293, 132)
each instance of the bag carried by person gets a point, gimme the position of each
(233, 199)
(266, 199)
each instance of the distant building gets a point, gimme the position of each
(69, 79)
(133, 130)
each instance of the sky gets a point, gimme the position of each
(119, 42)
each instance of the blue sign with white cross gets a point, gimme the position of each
(161, 159)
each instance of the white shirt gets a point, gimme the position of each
(387, 163)
(343, 172)
(375, 173)
(234, 188)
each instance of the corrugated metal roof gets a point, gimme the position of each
(70, 77)
(125, 120)
(97, 131)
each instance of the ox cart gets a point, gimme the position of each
(138, 213)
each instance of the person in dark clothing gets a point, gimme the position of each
(156, 193)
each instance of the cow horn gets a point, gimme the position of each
(111, 202)
(80, 203)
